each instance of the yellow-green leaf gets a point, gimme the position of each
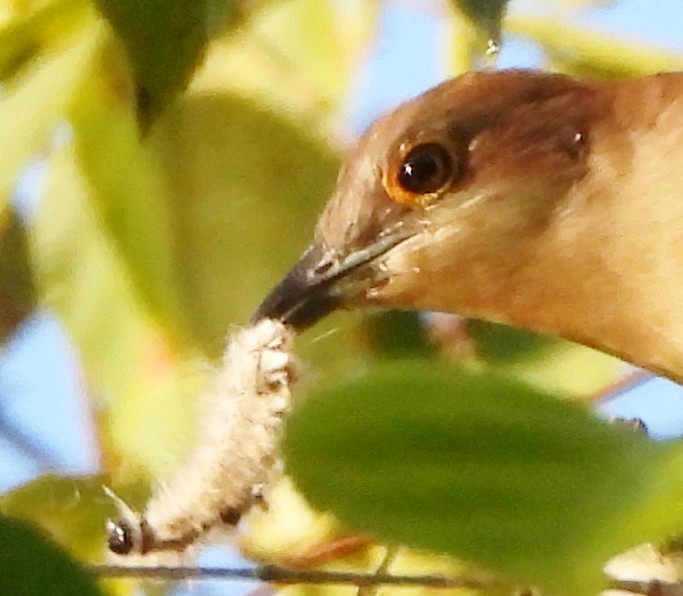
(299, 56)
(34, 29)
(71, 510)
(35, 105)
(580, 51)
(133, 363)
(124, 186)
(245, 185)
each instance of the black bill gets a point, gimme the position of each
(321, 282)
(302, 297)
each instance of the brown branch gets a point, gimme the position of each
(651, 588)
(282, 575)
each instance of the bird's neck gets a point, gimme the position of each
(599, 261)
(609, 267)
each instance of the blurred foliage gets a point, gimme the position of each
(32, 565)
(486, 16)
(582, 52)
(483, 467)
(17, 289)
(164, 40)
(46, 500)
(397, 334)
(219, 222)
(499, 344)
(188, 146)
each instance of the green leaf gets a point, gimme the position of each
(475, 32)
(17, 291)
(396, 334)
(482, 468)
(221, 14)
(165, 40)
(32, 565)
(71, 510)
(485, 14)
(245, 185)
(124, 186)
(132, 361)
(35, 105)
(579, 51)
(299, 56)
(501, 343)
(34, 30)
(544, 361)
(318, 41)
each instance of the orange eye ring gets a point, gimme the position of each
(423, 173)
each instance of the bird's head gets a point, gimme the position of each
(441, 204)
(527, 198)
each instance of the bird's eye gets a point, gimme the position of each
(425, 170)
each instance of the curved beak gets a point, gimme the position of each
(323, 281)
(304, 296)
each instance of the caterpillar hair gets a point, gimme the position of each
(237, 455)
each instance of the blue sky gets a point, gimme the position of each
(40, 379)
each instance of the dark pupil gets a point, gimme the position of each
(425, 169)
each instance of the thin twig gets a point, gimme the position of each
(27, 445)
(652, 588)
(629, 382)
(282, 575)
(390, 553)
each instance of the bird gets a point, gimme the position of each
(534, 199)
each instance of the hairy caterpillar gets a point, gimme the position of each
(237, 455)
